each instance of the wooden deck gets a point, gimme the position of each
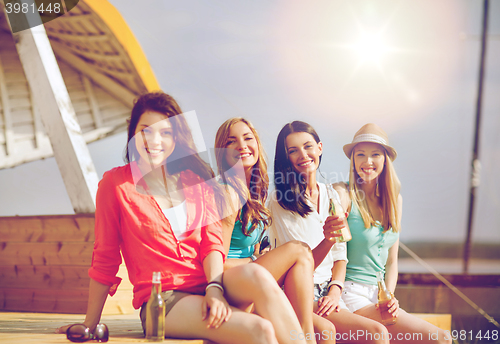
(39, 328)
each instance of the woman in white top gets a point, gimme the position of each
(299, 207)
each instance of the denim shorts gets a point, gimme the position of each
(321, 290)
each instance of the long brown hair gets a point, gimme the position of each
(185, 155)
(255, 194)
(388, 188)
(286, 178)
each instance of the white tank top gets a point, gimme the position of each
(177, 216)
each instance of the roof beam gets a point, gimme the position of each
(58, 116)
(114, 88)
(7, 116)
(94, 106)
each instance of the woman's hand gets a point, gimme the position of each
(215, 308)
(63, 329)
(392, 307)
(330, 302)
(331, 228)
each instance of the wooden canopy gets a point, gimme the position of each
(102, 65)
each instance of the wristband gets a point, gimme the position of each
(338, 283)
(215, 284)
(253, 258)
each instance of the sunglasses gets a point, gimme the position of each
(80, 333)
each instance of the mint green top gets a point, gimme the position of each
(368, 249)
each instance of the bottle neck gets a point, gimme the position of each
(156, 289)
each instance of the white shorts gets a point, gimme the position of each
(358, 295)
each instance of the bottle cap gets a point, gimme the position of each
(156, 277)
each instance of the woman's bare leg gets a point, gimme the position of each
(292, 265)
(354, 328)
(252, 283)
(184, 321)
(325, 330)
(409, 328)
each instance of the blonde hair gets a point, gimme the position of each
(388, 188)
(253, 210)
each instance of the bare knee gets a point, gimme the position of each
(301, 251)
(327, 333)
(262, 331)
(259, 279)
(376, 333)
(443, 337)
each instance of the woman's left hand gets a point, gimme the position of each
(393, 307)
(215, 308)
(329, 303)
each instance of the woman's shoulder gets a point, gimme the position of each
(117, 174)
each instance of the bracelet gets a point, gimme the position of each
(253, 258)
(215, 284)
(338, 283)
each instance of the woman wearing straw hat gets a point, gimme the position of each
(374, 204)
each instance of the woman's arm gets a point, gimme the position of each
(343, 192)
(330, 302)
(391, 266)
(98, 293)
(214, 308)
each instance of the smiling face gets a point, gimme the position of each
(243, 146)
(369, 160)
(303, 152)
(154, 138)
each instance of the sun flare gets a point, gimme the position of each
(371, 48)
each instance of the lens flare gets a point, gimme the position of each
(371, 48)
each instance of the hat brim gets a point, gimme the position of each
(391, 152)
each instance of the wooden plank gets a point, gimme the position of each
(38, 328)
(60, 253)
(7, 116)
(44, 300)
(443, 321)
(94, 106)
(70, 228)
(50, 93)
(63, 277)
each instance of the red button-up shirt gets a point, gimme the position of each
(132, 222)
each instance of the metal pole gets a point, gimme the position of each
(476, 165)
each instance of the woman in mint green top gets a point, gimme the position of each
(243, 169)
(374, 204)
(374, 242)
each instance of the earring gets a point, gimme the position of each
(377, 193)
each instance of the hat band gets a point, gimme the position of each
(369, 138)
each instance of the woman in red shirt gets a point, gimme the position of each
(159, 212)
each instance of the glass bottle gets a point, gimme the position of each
(384, 296)
(336, 209)
(155, 312)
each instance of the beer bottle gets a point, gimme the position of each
(384, 296)
(335, 208)
(155, 312)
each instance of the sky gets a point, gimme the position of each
(409, 66)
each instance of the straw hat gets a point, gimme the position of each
(371, 133)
